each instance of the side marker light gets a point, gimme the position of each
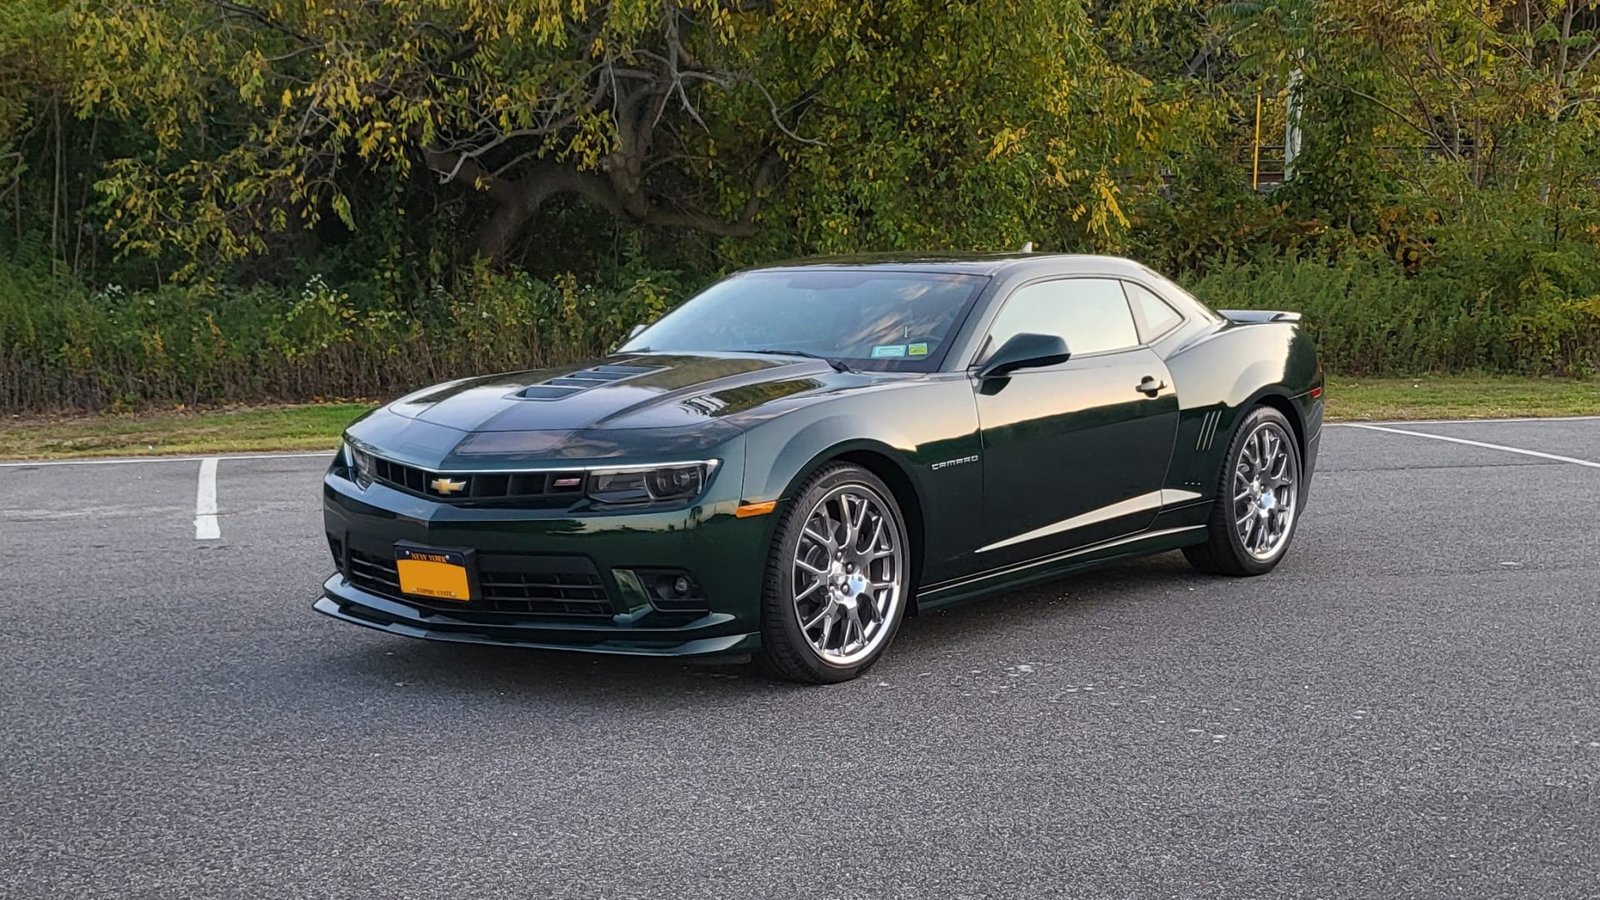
(746, 510)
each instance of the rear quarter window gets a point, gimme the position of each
(1158, 315)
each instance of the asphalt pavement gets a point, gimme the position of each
(1408, 707)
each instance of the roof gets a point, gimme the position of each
(969, 263)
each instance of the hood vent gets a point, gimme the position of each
(582, 380)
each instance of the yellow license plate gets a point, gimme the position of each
(435, 574)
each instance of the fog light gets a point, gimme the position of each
(668, 590)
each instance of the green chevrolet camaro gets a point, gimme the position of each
(794, 460)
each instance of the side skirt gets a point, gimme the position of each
(1171, 530)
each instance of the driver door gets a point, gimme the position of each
(1074, 453)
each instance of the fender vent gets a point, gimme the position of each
(1208, 430)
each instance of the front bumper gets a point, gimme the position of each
(724, 555)
(349, 604)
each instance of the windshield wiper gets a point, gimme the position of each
(838, 365)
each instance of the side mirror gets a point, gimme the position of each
(634, 332)
(1025, 351)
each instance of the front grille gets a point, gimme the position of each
(508, 583)
(545, 593)
(375, 574)
(468, 486)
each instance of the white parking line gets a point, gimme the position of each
(206, 527)
(128, 460)
(1455, 440)
(1510, 420)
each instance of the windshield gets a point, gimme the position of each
(869, 319)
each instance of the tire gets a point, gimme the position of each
(1269, 495)
(838, 578)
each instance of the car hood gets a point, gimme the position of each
(627, 392)
(640, 406)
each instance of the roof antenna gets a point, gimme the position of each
(1027, 248)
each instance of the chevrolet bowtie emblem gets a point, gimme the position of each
(447, 486)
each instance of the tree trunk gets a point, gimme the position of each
(499, 233)
(619, 191)
(518, 201)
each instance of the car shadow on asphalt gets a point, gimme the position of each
(1075, 601)
(1080, 596)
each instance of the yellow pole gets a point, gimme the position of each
(1255, 162)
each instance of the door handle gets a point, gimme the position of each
(1151, 387)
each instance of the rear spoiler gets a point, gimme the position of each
(1258, 316)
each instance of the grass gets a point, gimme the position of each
(1460, 397)
(317, 426)
(314, 426)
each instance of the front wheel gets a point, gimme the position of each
(1258, 499)
(837, 578)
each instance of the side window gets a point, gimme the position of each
(1159, 318)
(1090, 314)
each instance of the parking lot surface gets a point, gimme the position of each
(1407, 707)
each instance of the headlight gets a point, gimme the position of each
(658, 485)
(673, 484)
(356, 464)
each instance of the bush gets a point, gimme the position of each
(1515, 312)
(63, 346)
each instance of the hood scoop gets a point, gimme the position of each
(582, 380)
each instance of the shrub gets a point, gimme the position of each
(1510, 313)
(63, 346)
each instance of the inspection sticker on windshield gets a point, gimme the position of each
(917, 349)
(890, 351)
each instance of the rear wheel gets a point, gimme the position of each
(1258, 499)
(837, 578)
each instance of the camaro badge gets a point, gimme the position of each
(953, 462)
(447, 486)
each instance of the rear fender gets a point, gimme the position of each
(1215, 391)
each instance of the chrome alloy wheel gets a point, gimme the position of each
(849, 574)
(1265, 491)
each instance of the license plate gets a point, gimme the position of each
(435, 574)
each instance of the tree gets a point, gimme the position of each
(32, 83)
(687, 114)
(1493, 89)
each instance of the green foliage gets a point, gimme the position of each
(1507, 312)
(853, 119)
(63, 346)
(205, 201)
(1208, 216)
